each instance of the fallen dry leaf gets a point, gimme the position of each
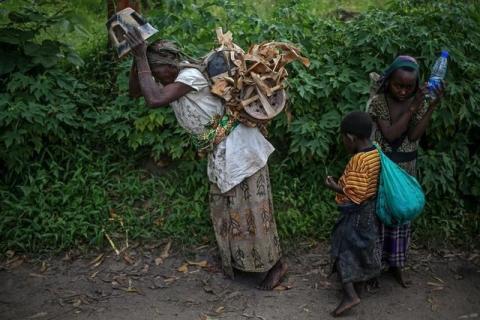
(469, 316)
(113, 215)
(283, 287)
(37, 275)
(131, 288)
(67, 257)
(438, 288)
(97, 261)
(77, 303)
(208, 289)
(183, 268)
(438, 279)
(44, 267)
(433, 304)
(151, 245)
(159, 221)
(38, 315)
(127, 258)
(15, 262)
(166, 250)
(325, 284)
(165, 253)
(112, 244)
(220, 310)
(473, 256)
(435, 284)
(169, 280)
(202, 264)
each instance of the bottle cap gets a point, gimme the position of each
(444, 54)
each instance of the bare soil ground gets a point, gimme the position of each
(141, 285)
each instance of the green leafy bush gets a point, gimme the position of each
(73, 141)
(40, 103)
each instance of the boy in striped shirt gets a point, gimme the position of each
(356, 251)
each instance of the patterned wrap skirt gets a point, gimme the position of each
(356, 251)
(244, 225)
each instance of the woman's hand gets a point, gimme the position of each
(135, 41)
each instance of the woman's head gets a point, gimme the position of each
(356, 128)
(401, 79)
(164, 73)
(163, 57)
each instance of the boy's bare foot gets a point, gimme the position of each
(346, 304)
(274, 276)
(398, 275)
(359, 288)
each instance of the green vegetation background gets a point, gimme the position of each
(74, 145)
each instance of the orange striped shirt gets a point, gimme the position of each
(360, 178)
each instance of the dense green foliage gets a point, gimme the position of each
(73, 141)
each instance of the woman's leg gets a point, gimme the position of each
(274, 276)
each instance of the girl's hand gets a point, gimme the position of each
(135, 41)
(419, 98)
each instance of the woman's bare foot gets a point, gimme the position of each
(398, 275)
(274, 276)
(346, 304)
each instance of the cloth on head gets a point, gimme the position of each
(398, 63)
(163, 52)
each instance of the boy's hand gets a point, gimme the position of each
(330, 182)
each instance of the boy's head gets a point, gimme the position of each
(356, 128)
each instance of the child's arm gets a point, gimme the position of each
(333, 185)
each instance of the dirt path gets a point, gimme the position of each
(112, 288)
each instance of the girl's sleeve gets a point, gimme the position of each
(376, 109)
(419, 115)
(356, 180)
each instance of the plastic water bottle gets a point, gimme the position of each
(438, 74)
